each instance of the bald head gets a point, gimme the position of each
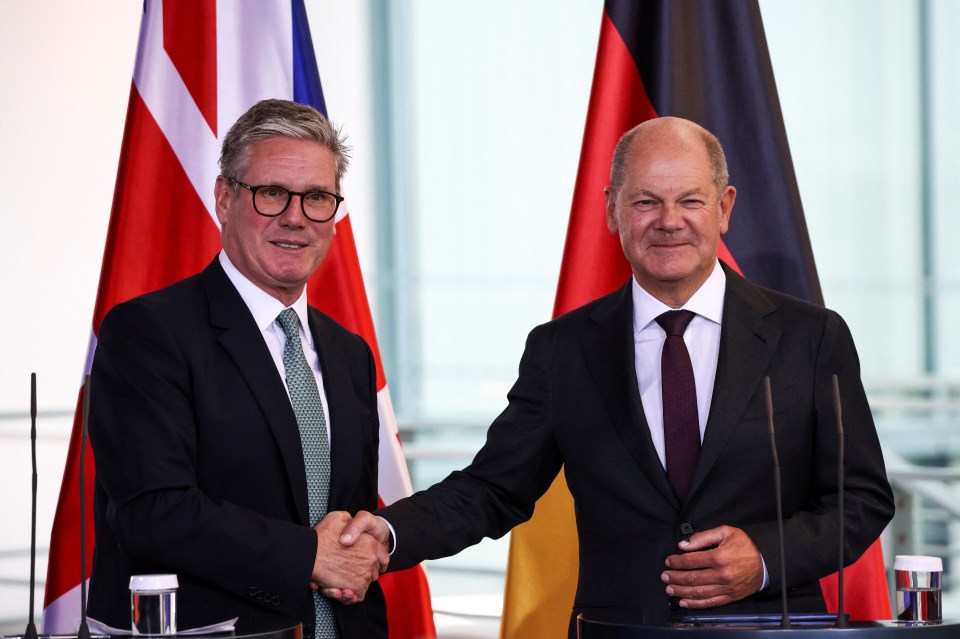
(669, 132)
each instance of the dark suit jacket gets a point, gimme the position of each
(576, 403)
(199, 464)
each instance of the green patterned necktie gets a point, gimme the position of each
(302, 386)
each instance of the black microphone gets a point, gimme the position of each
(31, 631)
(785, 623)
(841, 617)
(83, 632)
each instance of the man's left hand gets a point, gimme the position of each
(717, 567)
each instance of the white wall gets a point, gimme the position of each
(65, 82)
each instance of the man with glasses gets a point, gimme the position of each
(229, 419)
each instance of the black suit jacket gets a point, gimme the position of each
(576, 404)
(199, 465)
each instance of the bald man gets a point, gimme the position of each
(664, 438)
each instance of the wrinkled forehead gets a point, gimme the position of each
(675, 162)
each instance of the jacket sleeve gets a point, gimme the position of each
(811, 526)
(499, 489)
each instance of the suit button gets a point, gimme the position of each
(686, 529)
(252, 591)
(275, 600)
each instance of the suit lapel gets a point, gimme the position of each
(609, 351)
(243, 341)
(345, 434)
(747, 344)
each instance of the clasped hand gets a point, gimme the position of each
(344, 571)
(716, 567)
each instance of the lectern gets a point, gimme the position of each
(293, 632)
(587, 629)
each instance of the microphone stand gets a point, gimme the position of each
(83, 632)
(841, 617)
(31, 631)
(785, 623)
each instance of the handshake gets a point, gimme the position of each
(351, 553)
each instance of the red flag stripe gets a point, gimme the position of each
(866, 595)
(189, 35)
(593, 263)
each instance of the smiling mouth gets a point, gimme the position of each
(286, 245)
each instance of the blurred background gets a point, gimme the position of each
(466, 120)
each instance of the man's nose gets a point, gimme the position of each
(671, 216)
(293, 214)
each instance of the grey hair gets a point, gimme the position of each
(280, 118)
(715, 154)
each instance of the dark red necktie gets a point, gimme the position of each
(681, 428)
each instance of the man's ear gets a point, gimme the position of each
(613, 223)
(727, 198)
(222, 193)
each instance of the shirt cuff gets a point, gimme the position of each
(393, 539)
(766, 575)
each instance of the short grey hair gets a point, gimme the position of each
(279, 118)
(715, 154)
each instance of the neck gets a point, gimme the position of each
(287, 297)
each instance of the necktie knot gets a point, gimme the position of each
(675, 322)
(290, 323)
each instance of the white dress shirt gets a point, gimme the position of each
(702, 338)
(265, 309)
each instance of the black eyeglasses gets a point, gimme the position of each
(271, 201)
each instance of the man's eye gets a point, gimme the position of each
(691, 203)
(314, 196)
(271, 191)
(645, 205)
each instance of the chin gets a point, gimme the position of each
(670, 273)
(290, 279)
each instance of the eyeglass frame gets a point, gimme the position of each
(253, 197)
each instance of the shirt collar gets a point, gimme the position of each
(263, 306)
(706, 302)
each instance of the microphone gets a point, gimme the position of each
(785, 623)
(31, 631)
(841, 617)
(83, 632)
